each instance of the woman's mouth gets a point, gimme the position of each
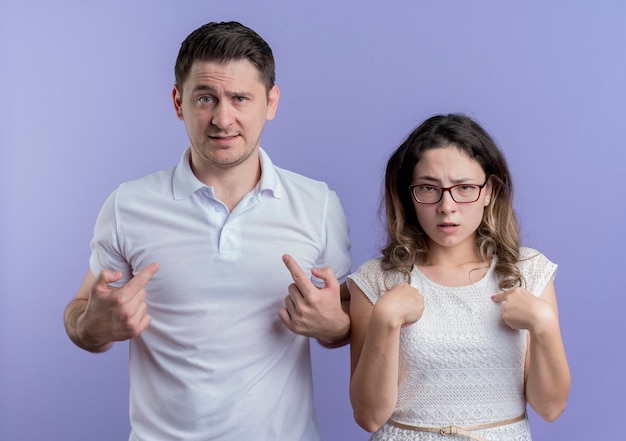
(448, 227)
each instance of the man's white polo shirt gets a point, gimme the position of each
(216, 362)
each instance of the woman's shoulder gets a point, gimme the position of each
(369, 272)
(528, 255)
(536, 269)
(373, 279)
(372, 264)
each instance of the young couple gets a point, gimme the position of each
(453, 330)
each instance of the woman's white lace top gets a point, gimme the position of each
(460, 363)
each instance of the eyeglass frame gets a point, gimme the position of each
(449, 190)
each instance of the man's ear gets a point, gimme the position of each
(177, 97)
(272, 102)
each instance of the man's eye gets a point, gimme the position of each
(241, 99)
(205, 99)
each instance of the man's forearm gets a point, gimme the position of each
(345, 338)
(71, 318)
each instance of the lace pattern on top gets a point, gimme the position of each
(460, 363)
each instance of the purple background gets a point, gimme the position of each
(85, 98)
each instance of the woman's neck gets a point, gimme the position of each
(457, 266)
(453, 256)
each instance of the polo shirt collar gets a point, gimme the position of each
(185, 183)
(269, 178)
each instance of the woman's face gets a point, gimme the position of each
(449, 223)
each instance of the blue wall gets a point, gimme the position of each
(85, 100)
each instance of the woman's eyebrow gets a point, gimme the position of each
(437, 180)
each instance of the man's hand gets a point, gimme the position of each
(113, 314)
(315, 312)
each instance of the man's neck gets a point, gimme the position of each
(231, 184)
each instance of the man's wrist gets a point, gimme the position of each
(337, 343)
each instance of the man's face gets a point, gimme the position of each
(224, 108)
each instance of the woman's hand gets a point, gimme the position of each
(522, 310)
(402, 305)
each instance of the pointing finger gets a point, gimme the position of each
(297, 274)
(499, 297)
(139, 281)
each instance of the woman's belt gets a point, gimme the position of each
(459, 430)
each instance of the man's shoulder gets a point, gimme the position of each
(155, 182)
(289, 177)
(156, 177)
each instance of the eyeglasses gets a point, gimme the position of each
(461, 193)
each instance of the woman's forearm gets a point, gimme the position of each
(548, 380)
(374, 383)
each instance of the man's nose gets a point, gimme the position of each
(223, 116)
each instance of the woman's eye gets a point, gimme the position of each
(467, 187)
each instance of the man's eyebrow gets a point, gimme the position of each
(207, 88)
(203, 88)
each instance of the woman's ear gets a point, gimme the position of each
(488, 190)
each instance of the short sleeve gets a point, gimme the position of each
(536, 269)
(105, 248)
(373, 280)
(337, 253)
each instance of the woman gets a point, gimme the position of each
(455, 328)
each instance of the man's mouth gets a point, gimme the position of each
(223, 137)
(225, 140)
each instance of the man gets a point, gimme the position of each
(188, 264)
